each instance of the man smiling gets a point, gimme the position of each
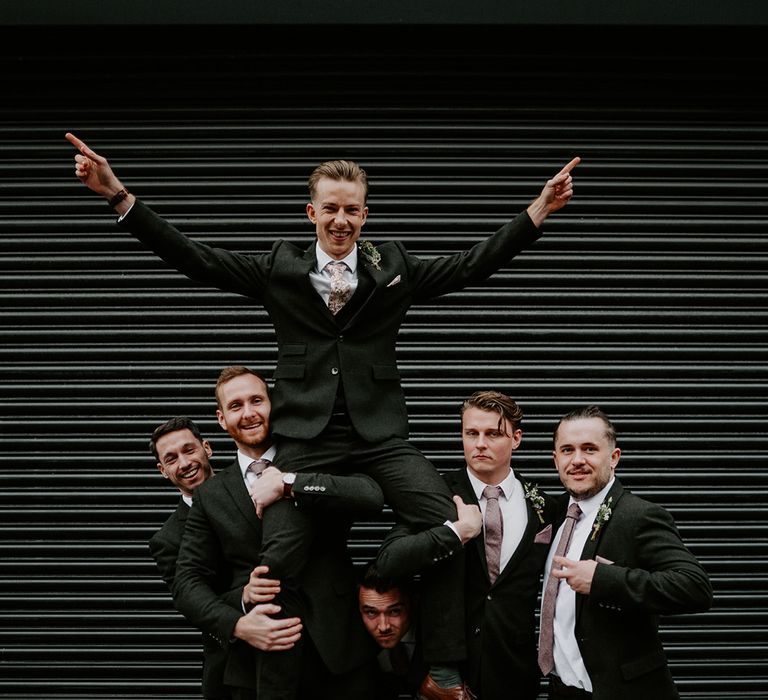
(615, 565)
(337, 309)
(183, 458)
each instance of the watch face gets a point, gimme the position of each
(289, 478)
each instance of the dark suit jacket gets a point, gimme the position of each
(221, 546)
(164, 547)
(653, 573)
(500, 617)
(316, 349)
(391, 686)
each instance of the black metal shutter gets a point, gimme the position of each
(647, 295)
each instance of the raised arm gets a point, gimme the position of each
(95, 173)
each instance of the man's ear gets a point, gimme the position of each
(311, 214)
(161, 469)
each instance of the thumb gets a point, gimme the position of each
(264, 609)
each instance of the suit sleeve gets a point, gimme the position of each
(431, 278)
(663, 577)
(352, 495)
(197, 587)
(216, 267)
(403, 552)
(164, 553)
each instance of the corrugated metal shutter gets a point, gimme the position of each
(646, 295)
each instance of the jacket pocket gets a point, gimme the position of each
(293, 349)
(643, 665)
(289, 372)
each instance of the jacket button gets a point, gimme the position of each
(477, 630)
(335, 370)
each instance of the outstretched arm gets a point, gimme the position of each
(556, 194)
(95, 173)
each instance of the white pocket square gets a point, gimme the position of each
(394, 281)
(602, 560)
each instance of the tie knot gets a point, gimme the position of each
(258, 466)
(492, 492)
(573, 511)
(336, 268)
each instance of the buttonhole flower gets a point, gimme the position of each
(603, 516)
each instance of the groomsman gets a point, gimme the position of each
(616, 564)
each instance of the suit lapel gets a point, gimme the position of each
(232, 478)
(182, 510)
(462, 487)
(591, 545)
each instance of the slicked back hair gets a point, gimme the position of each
(338, 170)
(497, 402)
(586, 412)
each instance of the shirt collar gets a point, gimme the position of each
(507, 484)
(323, 258)
(245, 461)
(186, 499)
(591, 504)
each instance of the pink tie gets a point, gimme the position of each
(494, 530)
(547, 621)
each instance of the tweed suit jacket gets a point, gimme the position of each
(164, 547)
(500, 616)
(220, 548)
(651, 573)
(316, 350)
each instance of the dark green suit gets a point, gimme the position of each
(652, 573)
(500, 616)
(164, 547)
(221, 546)
(347, 361)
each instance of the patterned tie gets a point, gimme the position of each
(255, 468)
(341, 290)
(494, 530)
(547, 622)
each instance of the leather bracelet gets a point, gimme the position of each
(119, 197)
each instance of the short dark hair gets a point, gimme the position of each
(372, 579)
(171, 426)
(338, 170)
(489, 400)
(588, 412)
(229, 373)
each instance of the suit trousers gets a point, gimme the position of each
(416, 493)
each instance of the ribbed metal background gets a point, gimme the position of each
(647, 295)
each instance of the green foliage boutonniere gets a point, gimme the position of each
(536, 499)
(603, 516)
(370, 253)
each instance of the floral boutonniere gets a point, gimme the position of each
(536, 499)
(603, 516)
(370, 253)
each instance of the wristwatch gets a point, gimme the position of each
(288, 480)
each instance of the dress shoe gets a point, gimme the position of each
(429, 690)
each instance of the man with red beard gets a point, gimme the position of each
(221, 546)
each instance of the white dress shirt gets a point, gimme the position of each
(514, 514)
(569, 665)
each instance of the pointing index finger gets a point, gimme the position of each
(570, 166)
